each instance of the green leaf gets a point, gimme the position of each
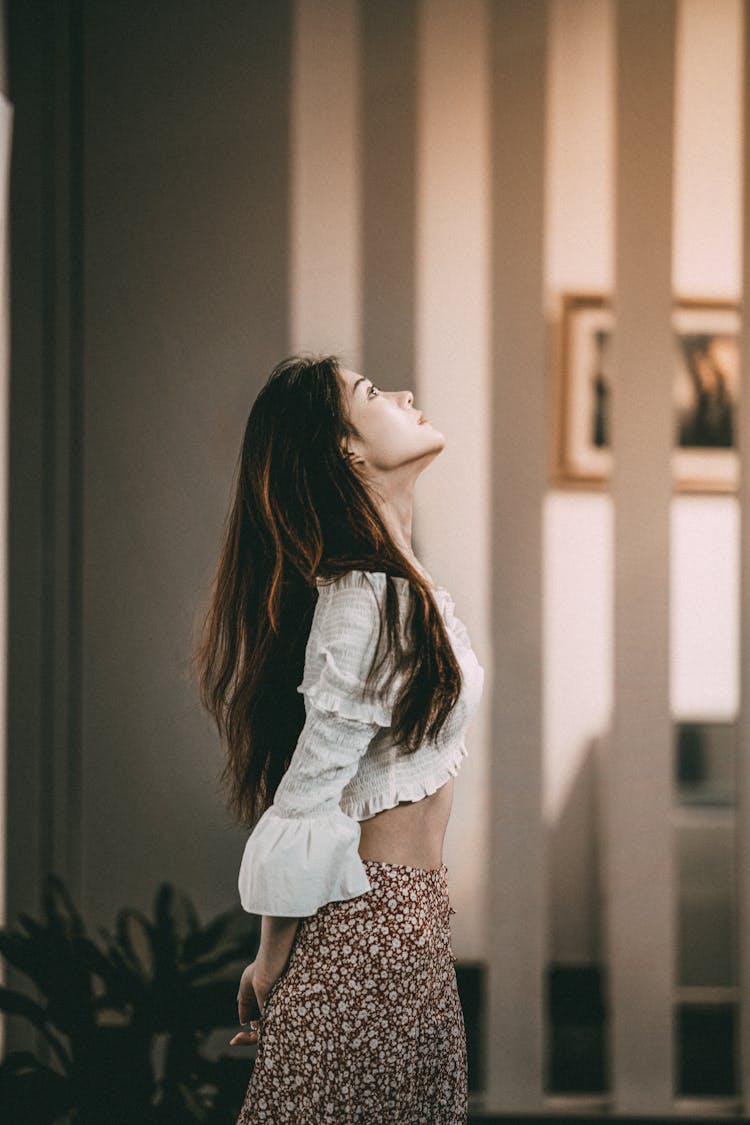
(227, 927)
(134, 933)
(193, 1103)
(114, 952)
(107, 1016)
(206, 939)
(35, 958)
(94, 960)
(30, 1092)
(17, 1061)
(125, 982)
(17, 1004)
(209, 966)
(107, 999)
(213, 1005)
(23, 953)
(61, 913)
(175, 914)
(33, 928)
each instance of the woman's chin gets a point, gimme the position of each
(435, 447)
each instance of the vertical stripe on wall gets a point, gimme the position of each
(452, 370)
(44, 458)
(44, 453)
(707, 240)
(743, 718)
(326, 285)
(640, 882)
(6, 143)
(388, 75)
(515, 861)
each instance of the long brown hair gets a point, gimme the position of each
(301, 511)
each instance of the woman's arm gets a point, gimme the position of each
(302, 852)
(276, 939)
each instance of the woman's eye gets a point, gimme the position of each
(372, 388)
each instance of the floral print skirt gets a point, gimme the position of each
(365, 1024)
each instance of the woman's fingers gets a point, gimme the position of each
(248, 1036)
(250, 1004)
(247, 1008)
(244, 1038)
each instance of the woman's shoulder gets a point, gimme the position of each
(357, 597)
(374, 582)
(360, 580)
(368, 589)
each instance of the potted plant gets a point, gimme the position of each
(123, 1025)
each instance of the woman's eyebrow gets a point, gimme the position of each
(362, 379)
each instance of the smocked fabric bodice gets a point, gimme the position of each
(385, 777)
(346, 766)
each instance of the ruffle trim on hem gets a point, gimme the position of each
(408, 791)
(292, 865)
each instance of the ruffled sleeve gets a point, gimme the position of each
(343, 643)
(303, 852)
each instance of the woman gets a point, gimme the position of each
(342, 684)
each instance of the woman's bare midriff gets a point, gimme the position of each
(411, 833)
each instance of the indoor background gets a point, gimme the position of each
(442, 192)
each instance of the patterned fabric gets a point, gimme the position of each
(365, 1025)
(303, 852)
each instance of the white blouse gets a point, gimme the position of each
(303, 851)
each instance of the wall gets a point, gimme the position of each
(187, 307)
(578, 527)
(183, 197)
(200, 272)
(203, 255)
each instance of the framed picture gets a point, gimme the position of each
(706, 386)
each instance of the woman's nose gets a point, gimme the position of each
(409, 397)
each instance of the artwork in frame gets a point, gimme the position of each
(706, 387)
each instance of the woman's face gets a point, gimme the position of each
(392, 434)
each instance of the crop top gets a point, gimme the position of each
(303, 851)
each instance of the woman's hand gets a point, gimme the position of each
(251, 999)
(276, 940)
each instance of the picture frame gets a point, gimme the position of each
(706, 390)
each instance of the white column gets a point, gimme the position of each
(452, 387)
(325, 283)
(743, 718)
(638, 836)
